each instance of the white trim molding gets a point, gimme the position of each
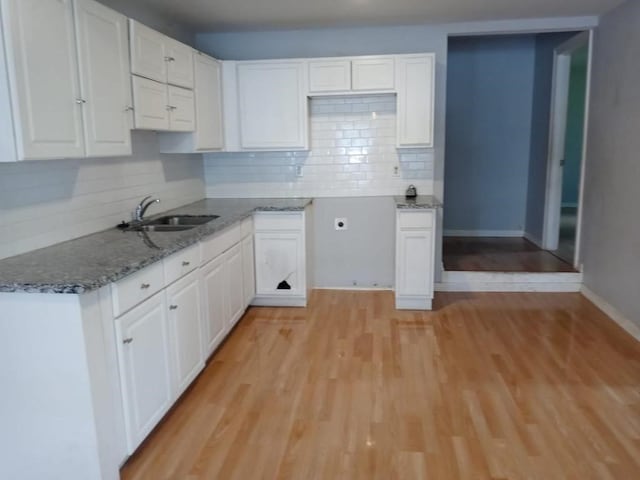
(612, 312)
(536, 241)
(509, 282)
(484, 233)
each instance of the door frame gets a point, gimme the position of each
(557, 132)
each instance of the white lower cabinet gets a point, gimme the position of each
(414, 259)
(183, 303)
(234, 272)
(281, 258)
(214, 301)
(248, 270)
(142, 338)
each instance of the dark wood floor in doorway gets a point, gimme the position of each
(496, 254)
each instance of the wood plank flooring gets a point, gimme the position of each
(497, 254)
(488, 386)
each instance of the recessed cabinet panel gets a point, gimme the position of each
(249, 277)
(415, 82)
(182, 115)
(144, 355)
(278, 258)
(105, 80)
(179, 59)
(234, 269)
(415, 265)
(43, 72)
(329, 76)
(373, 74)
(183, 308)
(215, 303)
(209, 132)
(151, 104)
(148, 54)
(273, 105)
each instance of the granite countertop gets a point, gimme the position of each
(419, 202)
(93, 261)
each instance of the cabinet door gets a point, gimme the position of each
(179, 63)
(273, 105)
(214, 301)
(248, 270)
(235, 295)
(103, 54)
(151, 104)
(373, 74)
(329, 76)
(414, 263)
(182, 113)
(144, 357)
(148, 53)
(415, 83)
(183, 303)
(279, 261)
(43, 72)
(209, 132)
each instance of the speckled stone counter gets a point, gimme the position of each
(419, 202)
(91, 262)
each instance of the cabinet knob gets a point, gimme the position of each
(127, 341)
(80, 101)
(186, 264)
(173, 307)
(129, 108)
(144, 286)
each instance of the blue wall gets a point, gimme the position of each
(488, 132)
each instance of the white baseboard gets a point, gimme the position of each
(536, 241)
(279, 301)
(356, 288)
(612, 312)
(509, 282)
(483, 233)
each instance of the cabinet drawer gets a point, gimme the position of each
(136, 288)
(214, 246)
(247, 226)
(278, 221)
(421, 219)
(181, 263)
(373, 74)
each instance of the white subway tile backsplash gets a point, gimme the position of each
(353, 152)
(46, 202)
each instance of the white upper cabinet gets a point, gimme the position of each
(103, 53)
(151, 104)
(181, 109)
(148, 52)
(160, 58)
(272, 98)
(329, 76)
(43, 73)
(373, 74)
(179, 59)
(208, 83)
(415, 83)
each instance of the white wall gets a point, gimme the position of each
(46, 202)
(611, 237)
(353, 153)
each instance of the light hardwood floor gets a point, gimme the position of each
(488, 386)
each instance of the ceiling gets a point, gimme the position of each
(217, 15)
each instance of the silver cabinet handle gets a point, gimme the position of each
(173, 307)
(171, 108)
(80, 101)
(144, 286)
(186, 264)
(127, 341)
(129, 108)
(169, 59)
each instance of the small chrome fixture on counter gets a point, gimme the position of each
(411, 192)
(142, 208)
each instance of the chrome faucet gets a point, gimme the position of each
(142, 208)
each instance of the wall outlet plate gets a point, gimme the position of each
(341, 224)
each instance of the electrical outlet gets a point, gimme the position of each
(299, 171)
(396, 170)
(340, 223)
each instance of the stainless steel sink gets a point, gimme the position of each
(181, 220)
(160, 228)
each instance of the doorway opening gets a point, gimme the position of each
(509, 139)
